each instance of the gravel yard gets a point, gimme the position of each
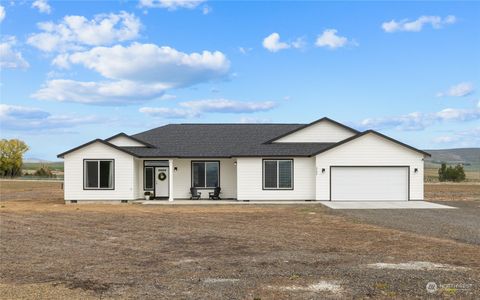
(55, 251)
(461, 224)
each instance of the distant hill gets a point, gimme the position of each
(35, 165)
(35, 160)
(469, 157)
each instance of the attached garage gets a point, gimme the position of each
(369, 183)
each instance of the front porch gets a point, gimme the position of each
(171, 179)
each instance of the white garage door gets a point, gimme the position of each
(369, 183)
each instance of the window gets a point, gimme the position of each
(278, 174)
(148, 180)
(98, 174)
(205, 174)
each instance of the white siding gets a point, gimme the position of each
(250, 185)
(123, 172)
(321, 132)
(123, 141)
(182, 178)
(369, 150)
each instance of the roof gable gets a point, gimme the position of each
(370, 132)
(61, 155)
(324, 130)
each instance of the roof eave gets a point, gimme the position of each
(62, 155)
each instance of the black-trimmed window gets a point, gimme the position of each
(98, 174)
(205, 174)
(149, 175)
(278, 174)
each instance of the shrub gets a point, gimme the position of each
(43, 172)
(450, 173)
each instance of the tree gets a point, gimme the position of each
(441, 172)
(11, 157)
(450, 173)
(460, 173)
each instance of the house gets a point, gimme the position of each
(323, 160)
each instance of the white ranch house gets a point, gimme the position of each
(323, 160)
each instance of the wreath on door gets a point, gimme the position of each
(162, 176)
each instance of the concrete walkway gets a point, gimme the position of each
(222, 202)
(384, 205)
(330, 204)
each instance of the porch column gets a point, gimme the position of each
(170, 182)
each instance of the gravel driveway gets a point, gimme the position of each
(462, 224)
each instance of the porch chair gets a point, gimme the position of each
(215, 195)
(195, 194)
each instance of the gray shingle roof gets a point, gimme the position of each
(228, 140)
(221, 140)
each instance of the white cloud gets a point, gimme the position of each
(419, 121)
(330, 39)
(42, 6)
(171, 4)
(196, 108)
(228, 106)
(21, 112)
(168, 97)
(2, 13)
(9, 57)
(168, 113)
(453, 114)
(272, 43)
(206, 9)
(151, 63)
(459, 90)
(244, 50)
(250, 120)
(99, 93)
(135, 74)
(76, 32)
(24, 118)
(445, 139)
(299, 43)
(464, 138)
(417, 25)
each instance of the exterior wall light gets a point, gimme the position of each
(235, 163)
(175, 169)
(323, 170)
(415, 170)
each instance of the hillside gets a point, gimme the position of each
(470, 157)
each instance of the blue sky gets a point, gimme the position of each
(75, 71)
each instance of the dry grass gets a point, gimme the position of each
(54, 251)
(452, 191)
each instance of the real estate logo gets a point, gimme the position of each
(431, 287)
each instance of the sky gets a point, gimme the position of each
(73, 71)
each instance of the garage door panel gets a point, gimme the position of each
(369, 183)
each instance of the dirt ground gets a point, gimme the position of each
(452, 191)
(55, 251)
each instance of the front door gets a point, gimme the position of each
(161, 182)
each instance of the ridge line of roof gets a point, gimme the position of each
(238, 124)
